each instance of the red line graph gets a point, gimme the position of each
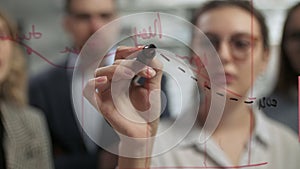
(30, 50)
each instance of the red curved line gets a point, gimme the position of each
(227, 90)
(48, 61)
(232, 92)
(109, 54)
(44, 58)
(205, 77)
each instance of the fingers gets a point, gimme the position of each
(124, 69)
(125, 51)
(140, 69)
(155, 81)
(101, 84)
(120, 72)
(93, 87)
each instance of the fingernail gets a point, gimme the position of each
(101, 79)
(150, 71)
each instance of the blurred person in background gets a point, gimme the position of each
(286, 90)
(24, 138)
(50, 91)
(244, 137)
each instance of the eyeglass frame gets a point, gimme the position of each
(250, 40)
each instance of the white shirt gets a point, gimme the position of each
(272, 146)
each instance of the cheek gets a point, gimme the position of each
(248, 73)
(256, 67)
(245, 75)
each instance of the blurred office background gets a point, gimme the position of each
(46, 17)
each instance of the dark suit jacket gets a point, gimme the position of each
(51, 92)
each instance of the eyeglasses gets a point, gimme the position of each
(240, 44)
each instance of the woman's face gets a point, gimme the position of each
(5, 51)
(292, 45)
(229, 30)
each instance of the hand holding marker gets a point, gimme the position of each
(145, 57)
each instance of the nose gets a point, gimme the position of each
(224, 52)
(95, 24)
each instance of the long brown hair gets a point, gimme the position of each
(287, 75)
(13, 88)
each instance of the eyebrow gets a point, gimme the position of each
(91, 13)
(237, 34)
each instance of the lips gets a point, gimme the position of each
(229, 78)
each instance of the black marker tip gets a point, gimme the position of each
(150, 46)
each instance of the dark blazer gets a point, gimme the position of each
(26, 140)
(51, 92)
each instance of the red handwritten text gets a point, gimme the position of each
(70, 50)
(27, 36)
(150, 33)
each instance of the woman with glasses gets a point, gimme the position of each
(244, 137)
(286, 92)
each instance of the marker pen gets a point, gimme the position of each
(147, 54)
(145, 57)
